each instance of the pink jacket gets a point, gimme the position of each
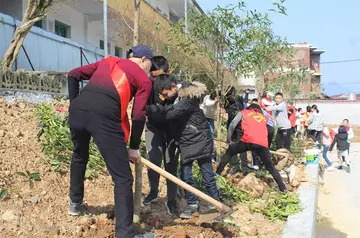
(325, 137)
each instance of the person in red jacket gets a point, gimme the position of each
(100, 111)
(253, 123)
(292, 117)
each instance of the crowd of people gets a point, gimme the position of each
(179, 130)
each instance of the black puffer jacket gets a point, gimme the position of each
(341, 139)
(188, 123)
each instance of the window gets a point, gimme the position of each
(119, 52)
(62, 29)
(173, 18)
(165, 15)
(39, 24)
(158, 9)
(102, 46)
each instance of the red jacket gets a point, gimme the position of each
(254, 128)
(113, 82)
(292, 115)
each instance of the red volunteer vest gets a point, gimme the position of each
(254, 128)
(123, 87)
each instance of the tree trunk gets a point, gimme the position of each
(138, 167)
(35, 11)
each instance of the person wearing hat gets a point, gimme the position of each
(100, 111)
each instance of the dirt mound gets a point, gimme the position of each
(42, 210)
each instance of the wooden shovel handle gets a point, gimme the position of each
(220, 206)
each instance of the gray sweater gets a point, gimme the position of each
(281, 116)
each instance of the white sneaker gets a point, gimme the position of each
(253, 166)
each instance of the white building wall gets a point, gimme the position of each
(47, 51)
(333, 112)
(12, 7)
(69, 16)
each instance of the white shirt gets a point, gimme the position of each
(209, 107)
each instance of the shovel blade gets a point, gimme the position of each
(208, 216)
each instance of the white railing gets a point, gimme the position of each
(46, 51)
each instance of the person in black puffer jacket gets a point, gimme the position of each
(191, 131)
(341, 141)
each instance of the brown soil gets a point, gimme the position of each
(47, 217)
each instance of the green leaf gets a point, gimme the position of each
(28, 173)
(3, 193)
(35, 176)
(31, 183)
(21, 174)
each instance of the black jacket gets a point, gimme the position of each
(341, 139)
(188, 123)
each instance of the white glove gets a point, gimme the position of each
(134, 155)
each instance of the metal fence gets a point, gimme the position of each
(45, 51)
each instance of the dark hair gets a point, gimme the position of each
(254, 100)
(162, 62)
(279, 94)
(308, 109)
(299, 109)
(164, 81)
(212, 95)
(346, 120)
(264, 94)
(255, 107)
(315, 108)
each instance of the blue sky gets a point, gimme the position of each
(327, 24)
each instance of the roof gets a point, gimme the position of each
(198, 6)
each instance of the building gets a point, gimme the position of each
(309, 57)
(72, 32)
(305, 55)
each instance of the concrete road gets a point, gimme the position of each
(339, 200)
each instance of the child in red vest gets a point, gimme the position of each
(254, 138)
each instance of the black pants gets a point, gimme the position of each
(283, 139)
(271, 132)
(315, 135)
(109, 139)
(159, 149)
(261, 151)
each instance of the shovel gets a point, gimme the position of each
(204, 217)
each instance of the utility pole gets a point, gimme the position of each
(105, 29)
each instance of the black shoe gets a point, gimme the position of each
(189, 211)
(171, 207)
(340, 167)
(150, 198)
(283, 190)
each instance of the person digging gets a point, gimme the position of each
(100, 111)
(254, 138)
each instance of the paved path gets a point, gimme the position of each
(339, 200)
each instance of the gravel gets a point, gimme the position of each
(13, 96)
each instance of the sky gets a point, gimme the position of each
(330, 25)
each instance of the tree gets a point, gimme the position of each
(35, 11)
(138, 167)
(234, 42)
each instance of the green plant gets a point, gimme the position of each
(278, 206)
(3, 193)
(55, 140)
(31, 177)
